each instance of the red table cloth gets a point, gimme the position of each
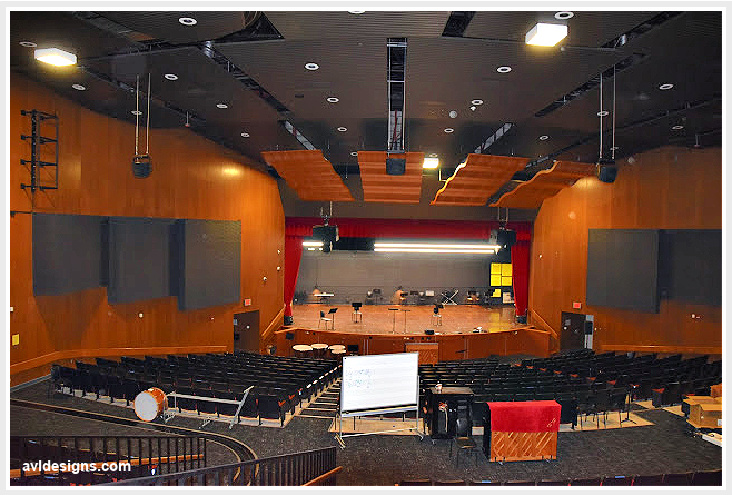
(526, 417)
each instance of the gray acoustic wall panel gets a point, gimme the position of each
(66, 253)
(208, 258)
(138, 259)
(622, 269)
(691, 266)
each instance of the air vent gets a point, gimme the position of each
(457, 23)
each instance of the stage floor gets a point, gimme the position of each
(380, 320)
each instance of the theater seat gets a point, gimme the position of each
(707, 478)
(677, 479)
(652, 480)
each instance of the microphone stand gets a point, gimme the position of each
(627, 409)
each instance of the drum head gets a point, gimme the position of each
(146, 406)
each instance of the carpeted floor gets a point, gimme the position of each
(387, 459)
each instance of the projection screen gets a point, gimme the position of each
(379, 381)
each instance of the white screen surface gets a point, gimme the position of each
(383, 380)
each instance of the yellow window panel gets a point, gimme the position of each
(495, 280)
(496, 293)
(507, 270)
(495, 268)
(506, 281)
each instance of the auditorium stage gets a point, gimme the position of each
(378, 320)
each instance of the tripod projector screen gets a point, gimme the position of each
(380, 381)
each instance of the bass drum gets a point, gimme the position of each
(150, 403)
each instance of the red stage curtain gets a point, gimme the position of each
(293, 253)
(520, 260)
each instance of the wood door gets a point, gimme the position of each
(246, 331)
(573, 331)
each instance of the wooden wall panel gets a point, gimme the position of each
(191, 178)
(668, 188)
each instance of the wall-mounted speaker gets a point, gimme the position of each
(429, 331)
(606, 170)
(396, 166)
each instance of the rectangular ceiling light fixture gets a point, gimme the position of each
(312, 243)
(431, 163)
(546, 34)
(422, 247)
(55, 56)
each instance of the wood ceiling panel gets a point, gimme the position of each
(309, 174)
(479, 179)
(380, 187)
(546, 184)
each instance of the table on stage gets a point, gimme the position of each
(521, 431)
(323, 296)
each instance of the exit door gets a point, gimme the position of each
(573, 331)
(246, 331)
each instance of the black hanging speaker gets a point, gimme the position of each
(396, 166)
(506, 238)
(606, 170)
(141, 166)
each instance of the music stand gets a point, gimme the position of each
(393, 324)
(357, 316)
(332, 311)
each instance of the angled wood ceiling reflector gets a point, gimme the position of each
(309, 174)
(383, 188)
(545, 184)
(478, 180)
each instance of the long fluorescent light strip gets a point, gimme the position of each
(312, 243)
(426, 250)
(436, 246)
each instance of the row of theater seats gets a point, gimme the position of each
(280, 384)
(582, 383)
(698, 478)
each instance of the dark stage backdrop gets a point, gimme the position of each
(208, 257)
(66, 253)
(138, 259)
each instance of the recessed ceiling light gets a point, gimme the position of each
(546, 34)
(342, 129)
(677, 127)
(28, 44)
(222, 105)
(665, 86)
(136, 112)
(78, 87)
(504, 69)
(332, 99)
(171, 77)
(187, 21)
(312, 66)
(354, 153)
(449, 130)
(356, 11)
(603, 113)
(472, 108)
(543, 138)
(452, 114)
(244, 134)
(477, 102)
(563, 15)
(55, 56)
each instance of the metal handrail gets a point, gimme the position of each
(282, 470)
